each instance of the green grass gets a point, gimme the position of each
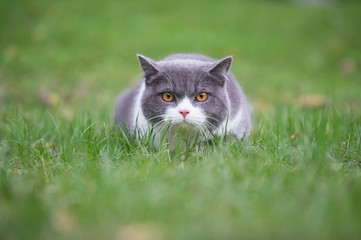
(66, 174)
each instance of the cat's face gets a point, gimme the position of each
(185, 93)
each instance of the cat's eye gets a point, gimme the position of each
(201, 97)
(168, 97)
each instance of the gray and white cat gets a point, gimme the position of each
(191, 92)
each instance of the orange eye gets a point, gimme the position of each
(201, 97)
(168, 97)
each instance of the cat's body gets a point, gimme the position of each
(186, 91)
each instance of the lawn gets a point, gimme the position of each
(66, 174)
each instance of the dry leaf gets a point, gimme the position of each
(11, 52)
(348, 66)
(63, 221)
(139, 231)
(181, 165)
(262, 106)
(67, 113)
(49, 99)
(312, 101)
(52, 148)
(295, 135)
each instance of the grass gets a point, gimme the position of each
(66, 174)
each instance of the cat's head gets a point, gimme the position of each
(185, 92)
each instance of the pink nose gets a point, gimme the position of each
(184, 113)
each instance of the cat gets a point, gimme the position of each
(185, 94)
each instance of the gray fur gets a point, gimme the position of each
(186, 75)
(125, 103)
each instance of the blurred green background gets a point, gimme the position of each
(80, 54)
(64, 175)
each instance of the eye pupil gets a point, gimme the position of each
(168, 97)
(201, 97)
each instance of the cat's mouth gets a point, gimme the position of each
(185, 124)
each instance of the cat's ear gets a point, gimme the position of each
(222, 66)
(148, 66)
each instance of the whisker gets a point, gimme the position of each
(213, 118)
(158, 124)
(203, 131)
(157, 116)
(210, 125)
